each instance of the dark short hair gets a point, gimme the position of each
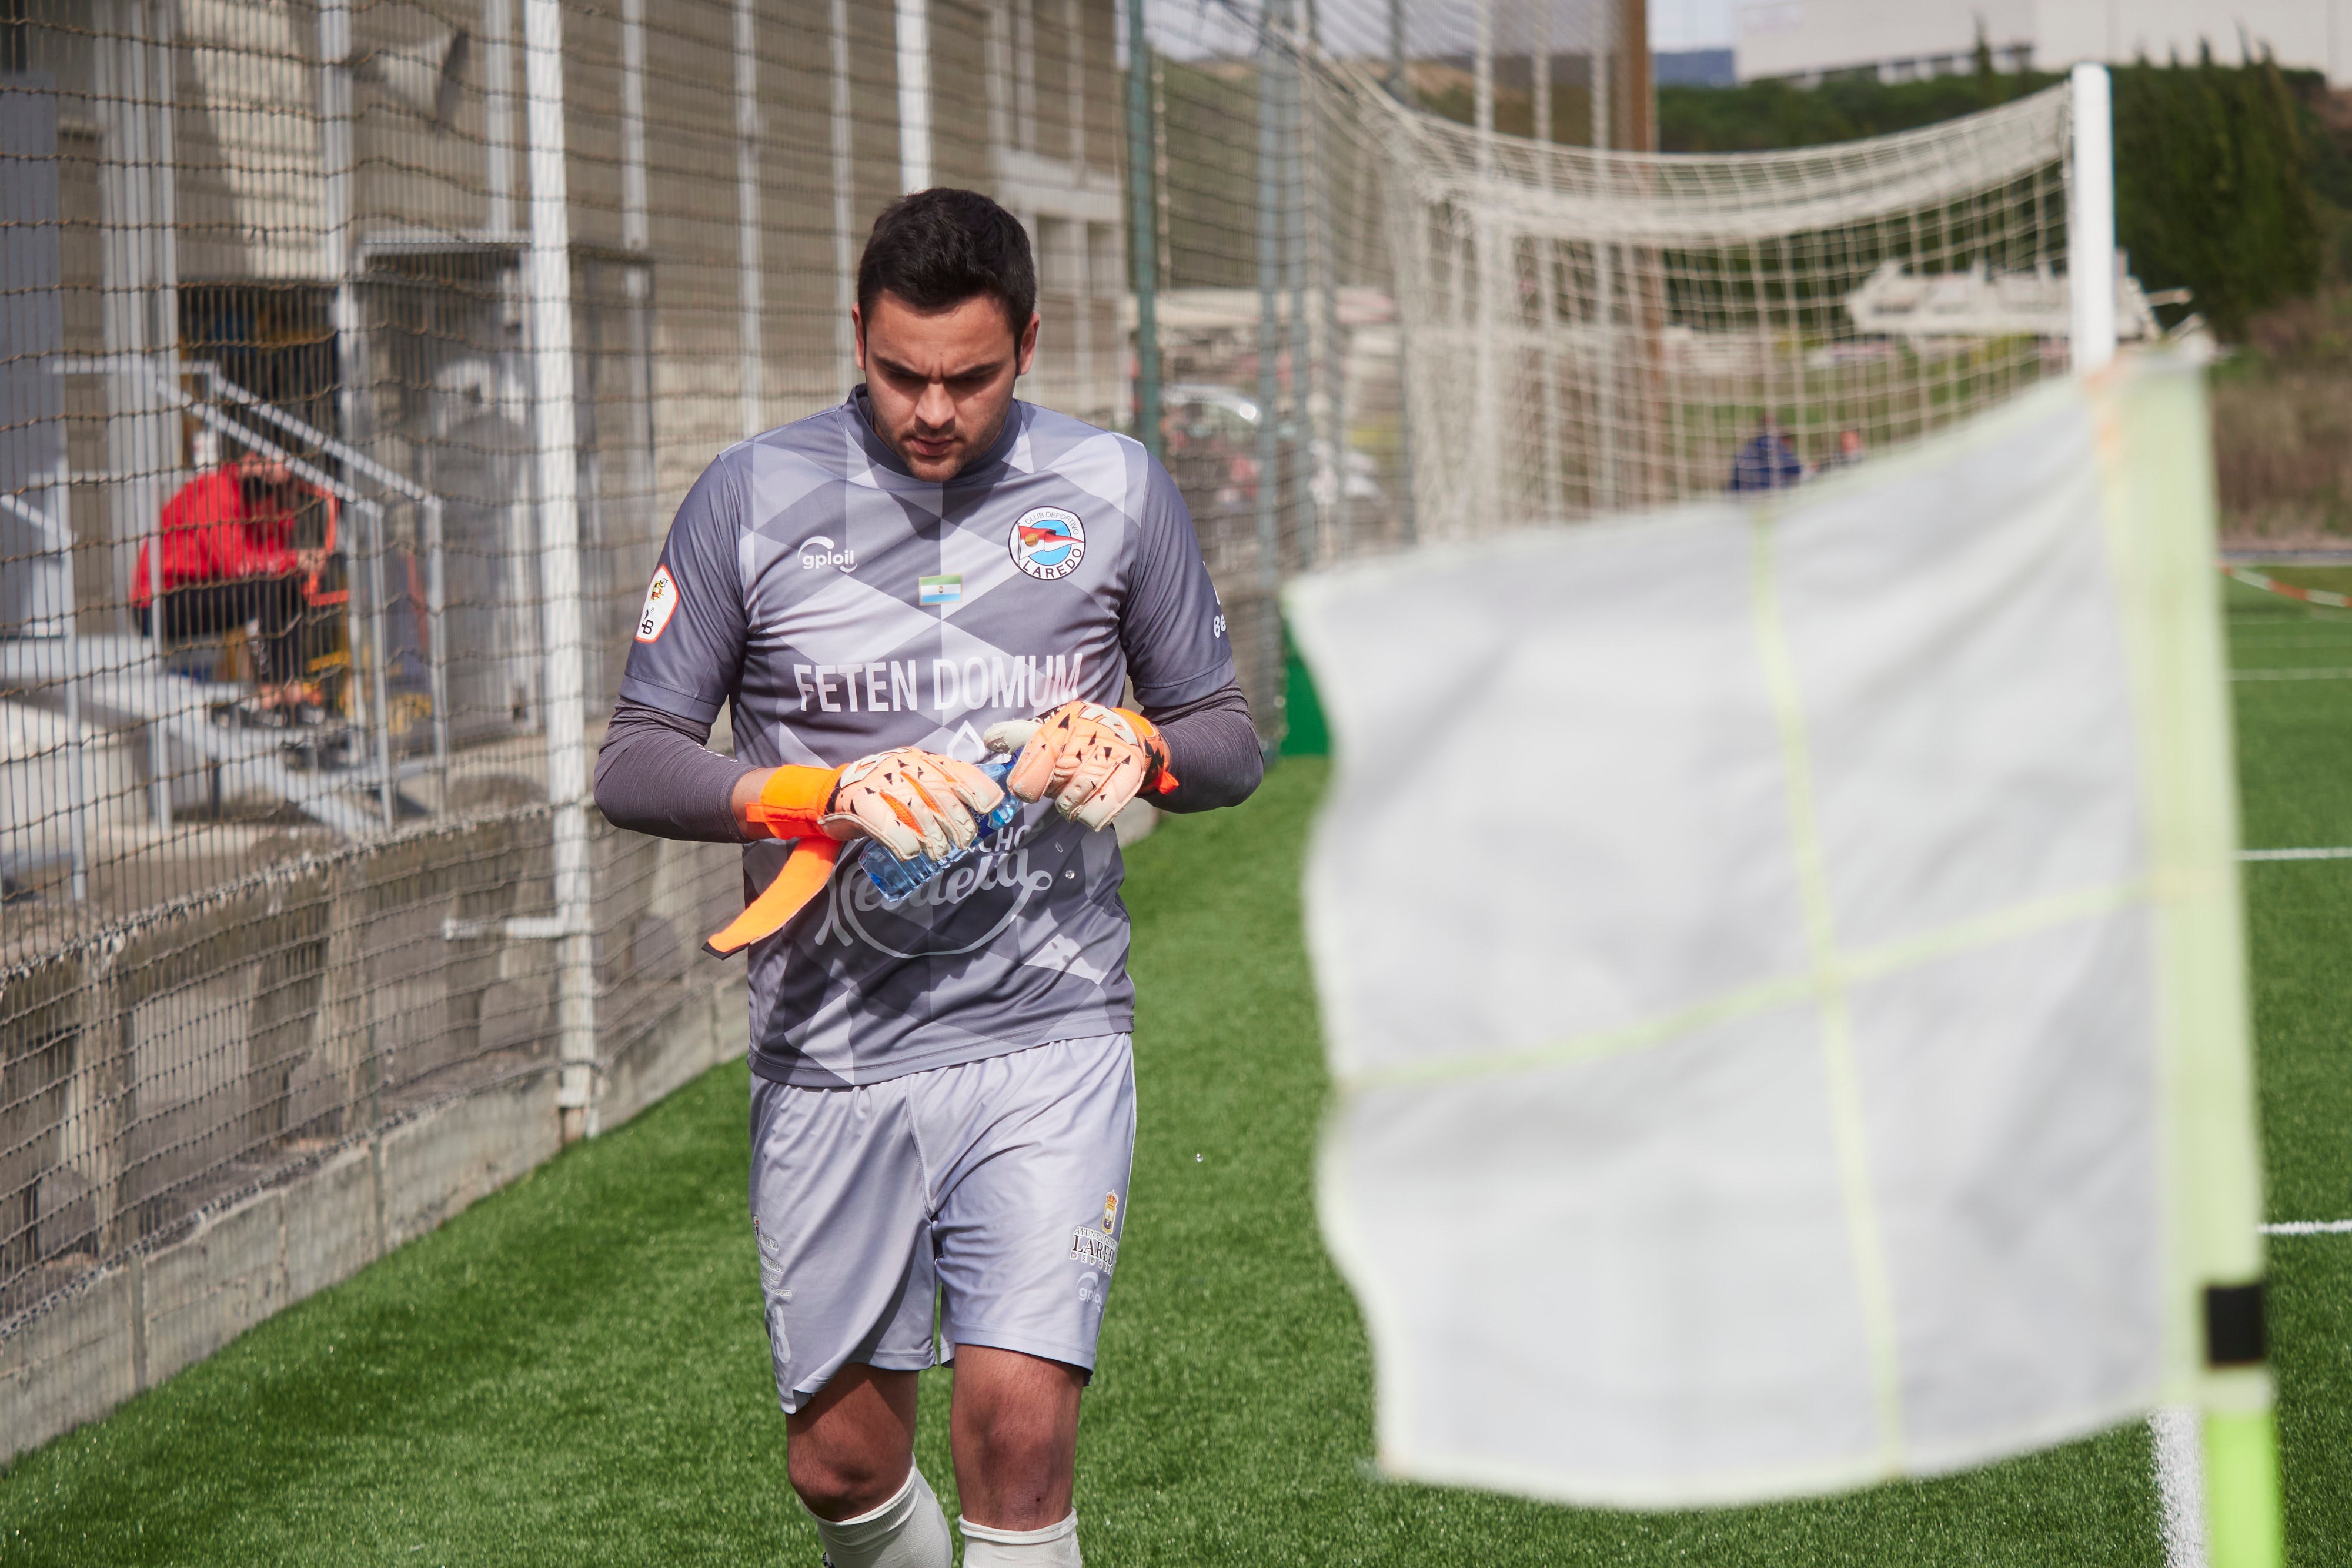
(940, 247)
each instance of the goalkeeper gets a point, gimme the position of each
(943, 1099)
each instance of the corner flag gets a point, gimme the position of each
(1851, 1078)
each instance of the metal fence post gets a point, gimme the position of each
(60, 515)
(139, 221)
(914, 29)
(1400, 84)
(1269, 354)
(842, 129)
(749, 303)
(559, 534)
(1144, 215)
(1308, 382)
(437, 599)
(388, 779)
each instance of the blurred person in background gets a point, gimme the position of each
(1847, 453)
(233, 558)
(1765, 461)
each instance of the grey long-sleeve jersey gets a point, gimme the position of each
(842, 606)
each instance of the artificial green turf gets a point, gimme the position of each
(575, 1371)
(2295, 750)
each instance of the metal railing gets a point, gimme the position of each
(376, 715)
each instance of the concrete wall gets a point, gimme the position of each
(129, 1327)
(256, 1062)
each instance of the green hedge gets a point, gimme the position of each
(2213, 189)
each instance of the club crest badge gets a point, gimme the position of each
(1049, 542)
(1110, 1212)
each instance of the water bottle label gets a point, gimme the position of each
(899, 880)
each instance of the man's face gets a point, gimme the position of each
(940, 380)
(266, 480)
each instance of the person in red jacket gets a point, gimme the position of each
(231, 559)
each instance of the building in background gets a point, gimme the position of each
(320, 212)
(1694, 67)
(1807, 39)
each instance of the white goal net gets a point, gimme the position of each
(1590, 331)
(1384, 312)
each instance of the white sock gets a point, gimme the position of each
(908, 1531)
(1056, 1546)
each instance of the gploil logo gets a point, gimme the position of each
(818, 551)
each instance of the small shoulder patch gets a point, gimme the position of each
(661, 603)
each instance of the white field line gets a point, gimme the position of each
(2334, 852)
(2287, 558)
(2309, 1227)
(2290, 636)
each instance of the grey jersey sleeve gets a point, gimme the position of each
(690, 633)
(1171, 627)
(655, 774)
(1213, 749)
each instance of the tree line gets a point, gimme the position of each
(2232, 181)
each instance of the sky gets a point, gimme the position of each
(1190, 27)
(1692, 23)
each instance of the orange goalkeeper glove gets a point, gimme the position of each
(912, 802)
(1090, 759)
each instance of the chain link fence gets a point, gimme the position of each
(357, 353)
(312, 606)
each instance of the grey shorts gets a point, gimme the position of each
(997, 1186)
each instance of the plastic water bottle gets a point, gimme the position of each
(898, 879)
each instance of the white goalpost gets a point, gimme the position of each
(1593, 332)
(2091, 217)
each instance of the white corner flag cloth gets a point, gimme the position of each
(1849, 1077)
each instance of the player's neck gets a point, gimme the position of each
(998, 443)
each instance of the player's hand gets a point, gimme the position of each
(912, 802)
(1090, 760)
